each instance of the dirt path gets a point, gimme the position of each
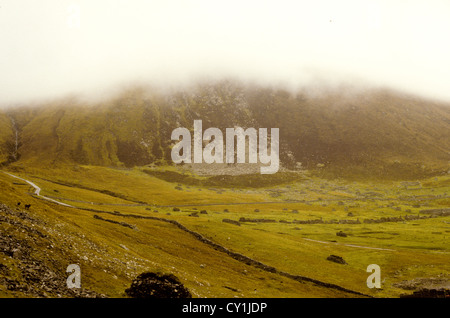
(350, 245)
(37, 190)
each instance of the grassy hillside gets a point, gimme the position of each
(293, 233)
(376, 134)
(364, 177)
(6, 137)
(44, 240)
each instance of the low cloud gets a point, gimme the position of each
(52, 47)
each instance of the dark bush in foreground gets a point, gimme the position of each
(154, 285)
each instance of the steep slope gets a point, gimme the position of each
(354, 133)
(7, 137)
(381, 132)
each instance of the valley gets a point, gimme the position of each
(363, 178)
(277, 238)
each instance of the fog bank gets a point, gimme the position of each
(56, 47)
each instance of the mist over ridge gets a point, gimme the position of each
(55, 48)
(340, 130)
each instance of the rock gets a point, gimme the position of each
(242, 219)
(17, 253)
(176, 209)
(155, 285)
(340, 233)
(429, 293)
(231, 222)
(336, 259)
(31, 273)
(3, 269)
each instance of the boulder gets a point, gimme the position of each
(336, 259)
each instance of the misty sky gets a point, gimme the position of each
(53, 47)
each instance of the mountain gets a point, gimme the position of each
(344, 133)
(6, 137)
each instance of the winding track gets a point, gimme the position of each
(37, 191)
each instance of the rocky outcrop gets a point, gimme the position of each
(231, 222)
(336, 259)
(25, 271)
(429, 293)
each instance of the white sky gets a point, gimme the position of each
(54, 47)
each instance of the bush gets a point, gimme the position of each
(155, 285)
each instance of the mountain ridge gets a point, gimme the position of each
(336, 133)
